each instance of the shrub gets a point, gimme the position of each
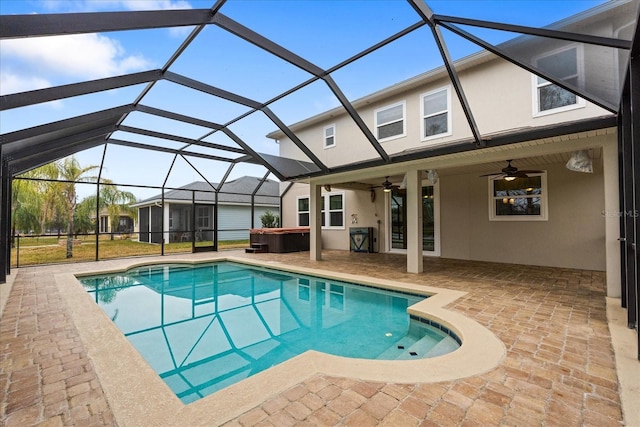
(269, 220)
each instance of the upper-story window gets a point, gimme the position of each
(390, 122)
(329, 133)
(567, 65)
(436, 115)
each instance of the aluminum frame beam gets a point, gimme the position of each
(23, 99)
(26, 164)
(426, 14)
(167, 150)
(504, 55)
(17, 26)
(211, 90)
(541, 32)
(177, 138)
(111, 114)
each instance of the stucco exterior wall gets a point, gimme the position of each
(572, 237)
(356, 202)
(501, 96)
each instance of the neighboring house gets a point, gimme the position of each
(553, 217)
(189, 212)
(126, 224)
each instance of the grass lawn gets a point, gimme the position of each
(49, 250)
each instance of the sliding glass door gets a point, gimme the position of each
(398, 229)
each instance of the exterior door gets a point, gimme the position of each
(398, 229)
(204, 228)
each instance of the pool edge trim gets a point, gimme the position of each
(128, 376)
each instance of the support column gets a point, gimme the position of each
(5, 209)
(166, 232)
(414, 222)
(612, 222)
(315, 221)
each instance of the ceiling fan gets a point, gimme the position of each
(509, 173)
(386, 186)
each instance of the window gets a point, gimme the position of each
(332, 211)
(436, 120)
(329, 133)
(202, 217)
(303, 212)
(566, 65)
(521, 199)
(389, 122)
(336, 212)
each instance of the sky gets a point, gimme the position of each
(323, 32)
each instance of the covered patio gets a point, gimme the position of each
(562, 366)
(570, 335)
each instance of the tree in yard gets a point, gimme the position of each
(82, 222)
(117, 203)
(29, 202)
(69, 173)
(269, 220)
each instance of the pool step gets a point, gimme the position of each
(257, 248)
(411, 348)
(447, 345)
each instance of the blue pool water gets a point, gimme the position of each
(205, 327)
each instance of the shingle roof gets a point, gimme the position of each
(237, 191)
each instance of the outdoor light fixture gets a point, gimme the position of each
(386, 185)
(327, 188)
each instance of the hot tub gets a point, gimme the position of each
(281, 240)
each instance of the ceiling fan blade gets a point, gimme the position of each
(529, 171)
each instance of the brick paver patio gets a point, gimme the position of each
(559, 369)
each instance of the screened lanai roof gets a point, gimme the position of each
(155, 94)
(237, 191)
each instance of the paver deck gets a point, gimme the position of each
(559, 368)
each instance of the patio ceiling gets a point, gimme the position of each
(287, 79)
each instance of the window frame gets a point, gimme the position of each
(580, 102)
(403, 119)
(544, 201)
(423, 116)
(298, 211)
(200, 218)
(325, 137)
(325, 210)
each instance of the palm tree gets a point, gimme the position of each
(29, 202)
(117, 203)
(70, 172)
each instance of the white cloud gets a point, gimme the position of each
(155, 4)
(14, 83)
(113, 5)
(78, 56)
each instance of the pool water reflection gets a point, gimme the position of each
(204, 327)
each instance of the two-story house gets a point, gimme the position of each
(469, 204)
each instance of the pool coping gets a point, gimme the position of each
(137, 395)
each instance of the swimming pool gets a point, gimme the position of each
(207, 326)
